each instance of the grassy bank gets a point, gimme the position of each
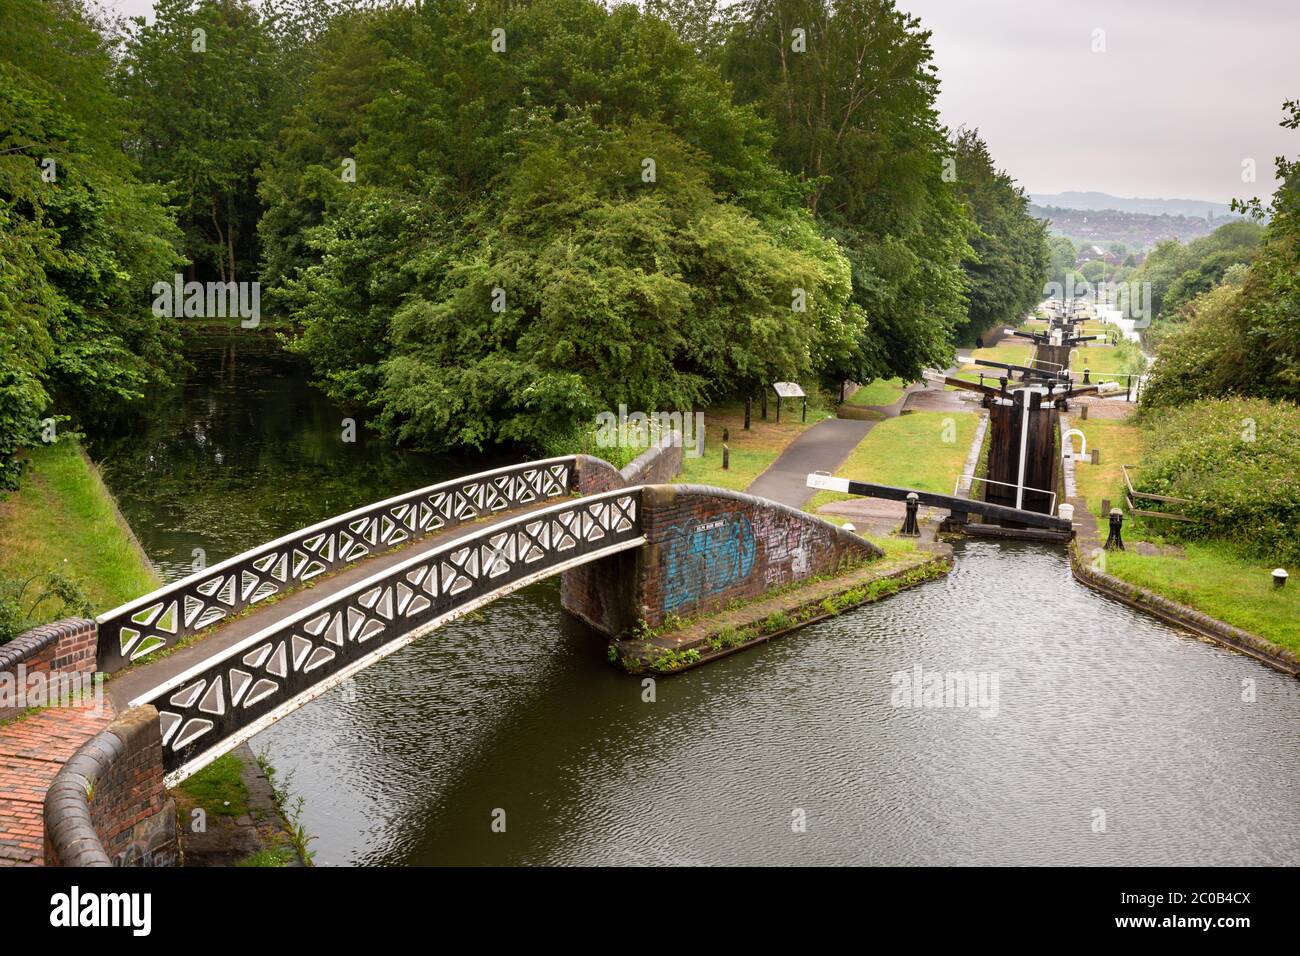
(62, 520)
(1118, 443)
(923, 450)
(1217, 581)
(880, 392)
(1210, 576)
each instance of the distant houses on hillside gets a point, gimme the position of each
(1137, 231)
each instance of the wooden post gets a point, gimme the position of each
(748, 402)
(763, 404)
(778, 409)
(726, 457)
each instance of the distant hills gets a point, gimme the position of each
(1136, 230)
(1198, 208)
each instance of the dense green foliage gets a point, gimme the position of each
(1009, 253)
(207, 85)
(856, 120)
(1244, 340)
(1061, 256)
(1237, 460)
(487, 222)
(1179, 273)
(81, 239)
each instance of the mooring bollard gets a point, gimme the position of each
(1115, 542)
(1279, 577)
(1086, 379)
(726, 457)
(848, 526)
(910, 528)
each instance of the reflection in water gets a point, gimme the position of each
(247, 451)
(1100, 708)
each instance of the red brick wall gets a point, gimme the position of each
(595, 475)
(108, 805)
(705, 547)
(63, 647)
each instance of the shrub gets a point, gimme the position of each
(44, 597)
(1237, 460)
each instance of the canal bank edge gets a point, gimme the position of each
(1179, 615)
(1087, 543)
(682, 645)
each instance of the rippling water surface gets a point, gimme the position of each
(1100, 709)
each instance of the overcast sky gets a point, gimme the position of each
(1183, 93)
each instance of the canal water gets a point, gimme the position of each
(1111, 739)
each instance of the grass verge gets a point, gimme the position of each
(880, 392)
(1217, 581)
(62, 520)
(924, 450)
(752, 452)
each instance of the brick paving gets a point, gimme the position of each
(32, 751)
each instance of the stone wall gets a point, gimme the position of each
(63, 647)
(706, 547)
(108, 805)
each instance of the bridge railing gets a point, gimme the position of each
(222, 701)
(165, 616)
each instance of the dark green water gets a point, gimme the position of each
(248, 450)
(1100, 710)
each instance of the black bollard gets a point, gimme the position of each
(748, 402)
(1115, 542)
(910, 528)
(762, 405)
(726, 457)
(1086, 379)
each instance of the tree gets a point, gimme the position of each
(1243, 340)
(81, 239)
(536, 237)
(1009, 255)
(850, 87)
(209, 83)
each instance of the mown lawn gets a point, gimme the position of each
(751, 451)
(1213, 578)
(910, 451)
(1120, 443)
(63, 520)
(880, 392)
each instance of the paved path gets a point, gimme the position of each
(821, 448)
(32, 750)
(824, 447)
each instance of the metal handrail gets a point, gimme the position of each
(162, 617)
(240, 690)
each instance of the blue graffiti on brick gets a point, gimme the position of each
(704, 557)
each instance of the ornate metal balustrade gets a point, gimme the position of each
(221, 702)
(163, 617)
